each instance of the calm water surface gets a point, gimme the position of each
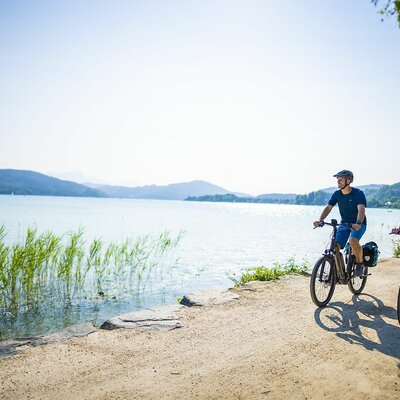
(219, 239)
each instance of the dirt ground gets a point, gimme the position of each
(273, 343)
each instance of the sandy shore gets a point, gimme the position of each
(272, 343)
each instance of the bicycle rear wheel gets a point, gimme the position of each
(357, 284)
(323, 281)
(398, 306)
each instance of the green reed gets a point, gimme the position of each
(47, 267)
(396, 248)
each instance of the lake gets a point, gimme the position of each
(219, 239)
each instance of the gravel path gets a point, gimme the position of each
(272, 343)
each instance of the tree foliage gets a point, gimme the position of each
(388, 8)
(314, 198)
(386, 196)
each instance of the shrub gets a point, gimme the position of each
(263, 273)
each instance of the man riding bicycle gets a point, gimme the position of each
(352, 204)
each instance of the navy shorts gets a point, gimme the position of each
(344, 232)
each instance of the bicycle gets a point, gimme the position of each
(332, 269)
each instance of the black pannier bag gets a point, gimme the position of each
(370, 254)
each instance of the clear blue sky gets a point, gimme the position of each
(255, 96)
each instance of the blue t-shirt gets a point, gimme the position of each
(348, 204)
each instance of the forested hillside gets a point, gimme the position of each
(23, 182)
(387, 196)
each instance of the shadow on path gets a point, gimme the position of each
(361, 321)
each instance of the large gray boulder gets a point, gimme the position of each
(160, 318)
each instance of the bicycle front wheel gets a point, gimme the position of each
(323, 281)
(357, 284)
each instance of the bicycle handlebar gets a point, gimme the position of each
(334, 223)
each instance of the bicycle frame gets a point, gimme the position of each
(334, 252)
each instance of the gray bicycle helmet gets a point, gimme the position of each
(344, 173)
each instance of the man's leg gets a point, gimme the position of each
(342, 235)
(357, 249)
(354, 241)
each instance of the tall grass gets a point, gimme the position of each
(46, 267)
(396, 248)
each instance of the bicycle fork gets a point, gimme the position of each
(326, 275)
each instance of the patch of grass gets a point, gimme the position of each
(396, 248)
(263, 273)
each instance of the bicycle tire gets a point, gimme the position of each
(355, 284)
(398, 306)
(323, 281)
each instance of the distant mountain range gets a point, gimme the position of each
(15, 181)
(175, 191)
(362, 187)
(24, 182)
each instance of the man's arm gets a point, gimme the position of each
(360, 217)
(324, 214)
